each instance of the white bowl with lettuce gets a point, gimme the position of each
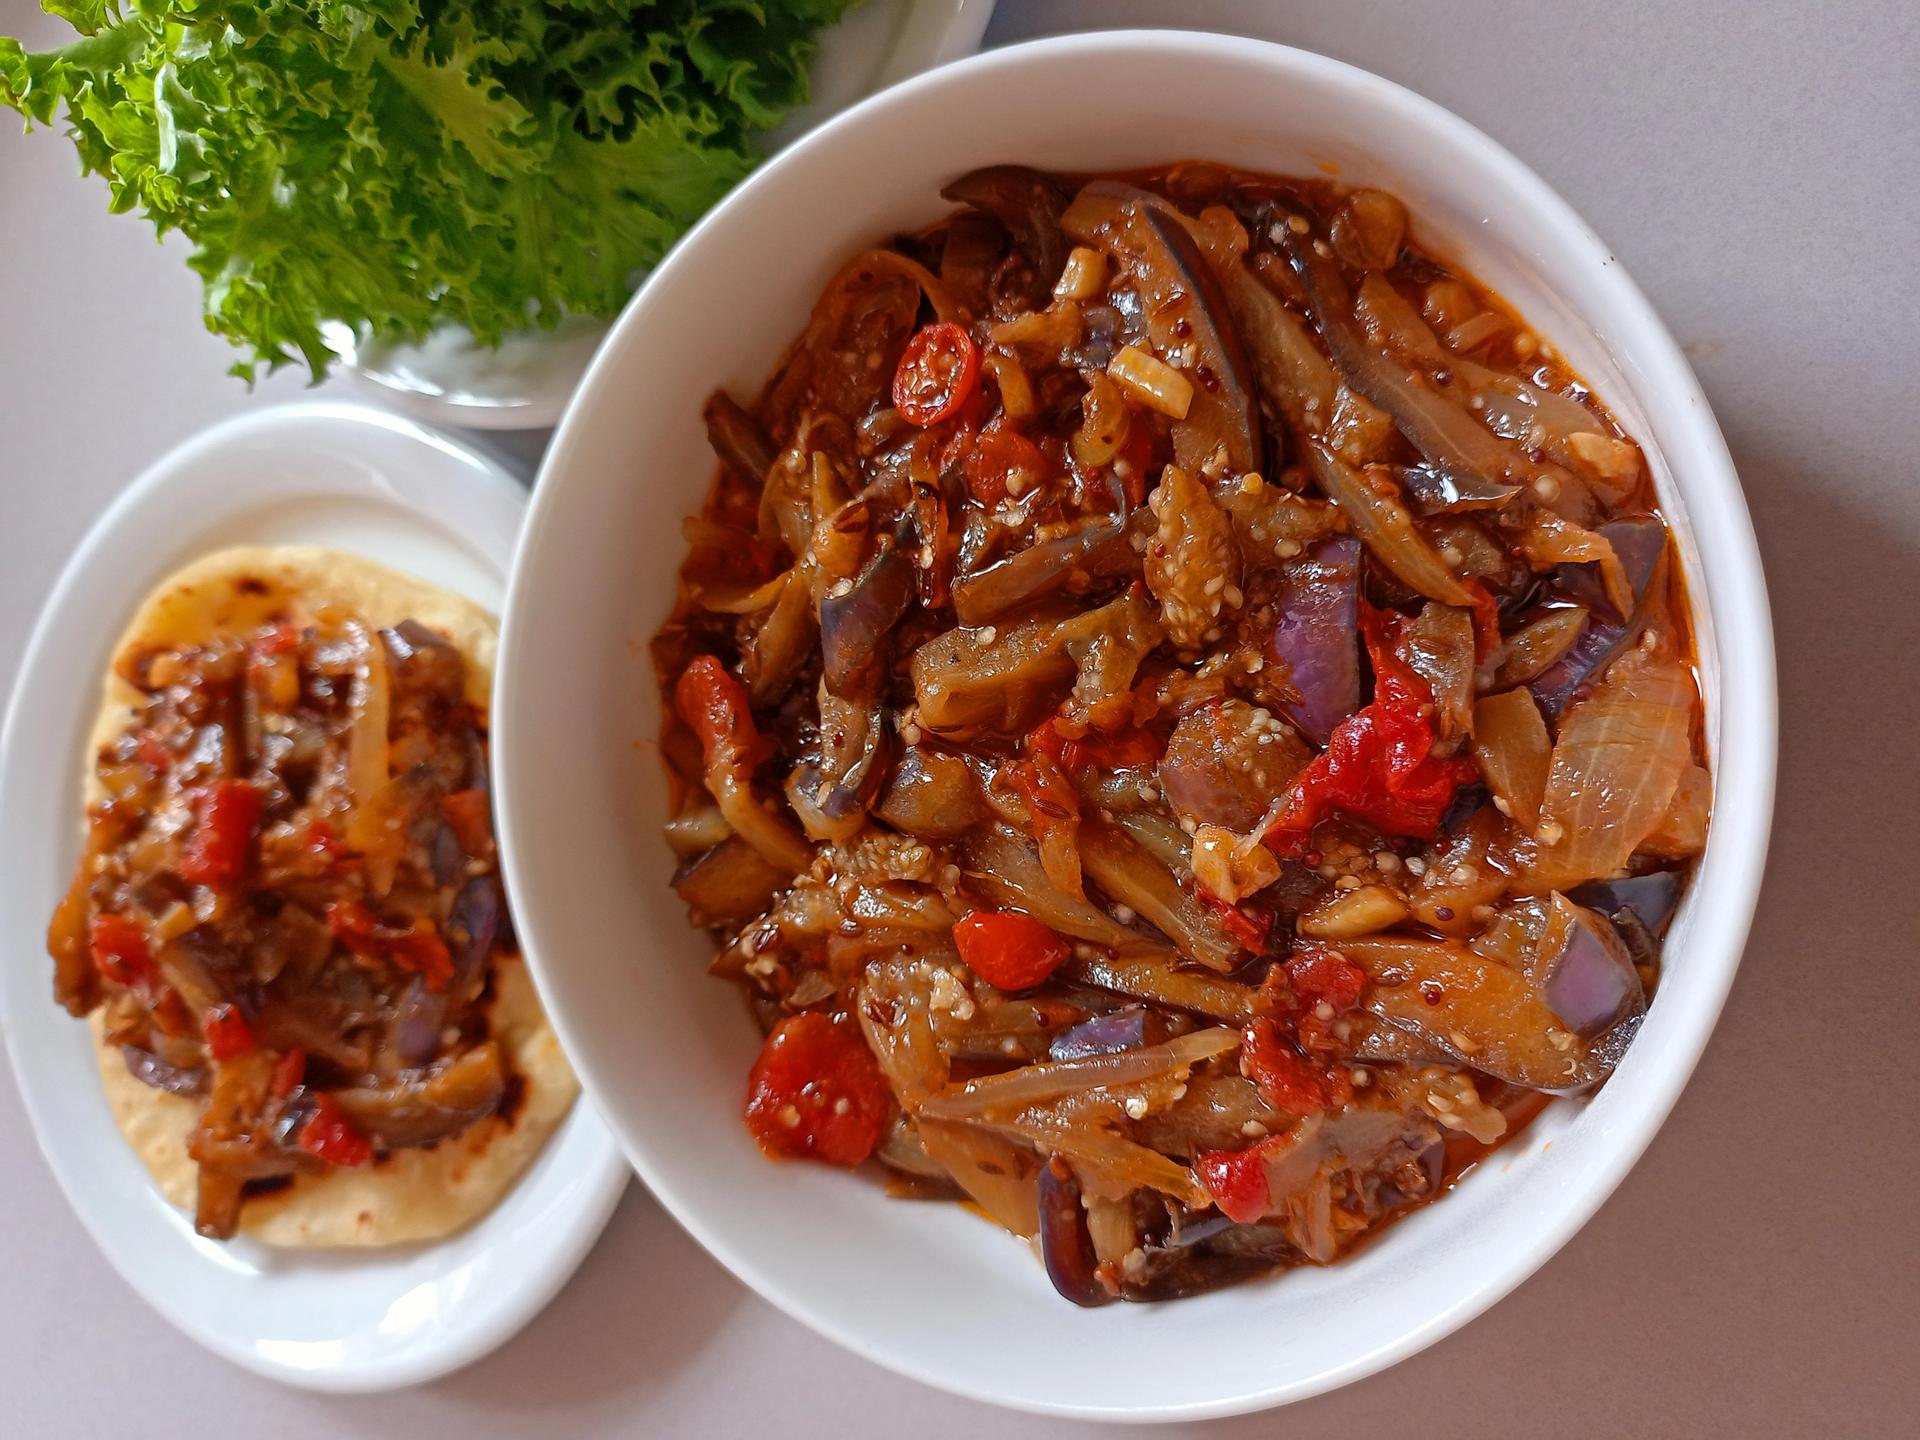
(452, 206)
(932, 1290)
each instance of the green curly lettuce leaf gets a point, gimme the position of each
(393, 165)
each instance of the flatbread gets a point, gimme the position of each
(410, 1195)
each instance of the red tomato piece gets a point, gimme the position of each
(1250, 929)
(714, 706)
(998, 456)
(938, 371)
(1286, 1080)
(421, 951)
(1007, 949)
(289, 1073)
(120, 950)
(329, 1134)
(226, 1031)
(1237, 1180)
(1122, 750)
(222, 836)
(816, 1091)
(1486, 620)
(1378, 767)
(1319, 975)
(353, 925)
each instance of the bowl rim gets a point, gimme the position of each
(1729, 570)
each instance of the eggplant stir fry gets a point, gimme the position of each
(288, 905)
(1181, 718)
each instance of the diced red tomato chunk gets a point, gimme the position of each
(222, 837)
(816, 1091)
(1008, 949)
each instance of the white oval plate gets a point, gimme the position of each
(525, 382)
(341, 1320)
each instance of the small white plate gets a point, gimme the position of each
(341, 1320)
(525, 382)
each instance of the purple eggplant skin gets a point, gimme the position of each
(1652, 897)
(1602, 639)
(1318, 637)
(1592, 982)
(1638, 544)
(1029, 204)
(149, 1069)
(1131, 1028)
(1065, 1245)
(853, 625)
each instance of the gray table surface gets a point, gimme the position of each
(1753, 165)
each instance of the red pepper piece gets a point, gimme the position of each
(222, 836)
(329, 1134)
(816, 1091)
(938, 371)
(1319, 975)
(1123, 749)
(227, 1033)
(1237, 1180)
(289, 1073)
(999, 453)
(714, 706)
(120, 950)
(353, 925)
(1250, 929)
(422, 951)
(1286, 1080)
(1007, 949)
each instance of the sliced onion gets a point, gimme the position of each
(1131, 876)
(1513, 751)
(1156, 976)
(1014, 1090)
(1617, 763)
(1534, 648)
(1439, 646)
(1387, 530)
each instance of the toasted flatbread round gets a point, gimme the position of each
(408, 1195)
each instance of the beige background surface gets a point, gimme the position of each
(1753, 165)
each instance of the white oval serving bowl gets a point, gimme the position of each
(931, 1290)
(338, 1319)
